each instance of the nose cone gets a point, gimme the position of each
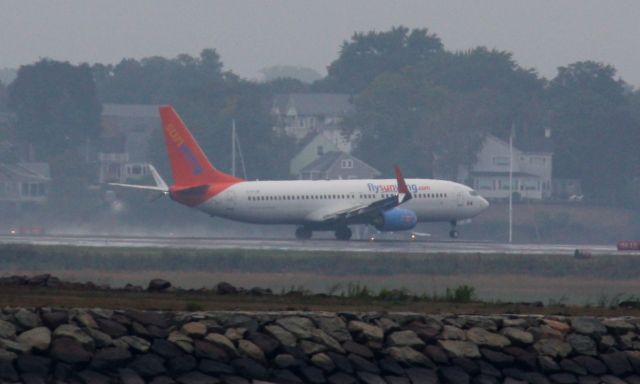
(484, 204)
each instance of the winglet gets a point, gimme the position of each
(404, 194)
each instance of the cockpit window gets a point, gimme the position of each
(473, 193)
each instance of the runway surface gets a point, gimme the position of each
(390, 246)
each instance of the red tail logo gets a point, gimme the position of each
(189, 165)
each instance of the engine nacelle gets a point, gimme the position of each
(396, 219)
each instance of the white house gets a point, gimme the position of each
(302, 114)
(532, 169)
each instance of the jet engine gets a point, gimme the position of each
(396, 219)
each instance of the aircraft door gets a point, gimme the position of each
(459, 199)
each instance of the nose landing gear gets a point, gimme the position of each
(453, 233)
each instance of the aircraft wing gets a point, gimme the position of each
(361, 211)
(160, 186)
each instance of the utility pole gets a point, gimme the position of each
(511, 183)
(233, 147)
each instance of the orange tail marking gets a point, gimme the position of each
(189, 164)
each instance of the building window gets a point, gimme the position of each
(346, 163)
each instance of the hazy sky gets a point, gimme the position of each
(250, 35)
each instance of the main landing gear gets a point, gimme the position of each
(453, 233)
(303, 233)
(343, 233)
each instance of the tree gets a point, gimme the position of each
(55, 105)
(595, 132)
(368, 55)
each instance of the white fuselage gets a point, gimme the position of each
(306, 202)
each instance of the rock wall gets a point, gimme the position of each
(105, 346)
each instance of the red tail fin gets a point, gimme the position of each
(189, 165)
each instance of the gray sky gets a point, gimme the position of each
(250, 35)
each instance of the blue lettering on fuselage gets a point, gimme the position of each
(381, 188)
(196, 168)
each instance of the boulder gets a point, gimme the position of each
(285, 337)
(197, 378)
(249, 349)
(148, 365)
(335, 327)
(588, 326)
(38, 338)
(517, 336)
(301, 327)
(617, 362)
(250, 369)
(591, 364)
(370, 378)
(366, 331)
(27, 319)
(583, 345)
(75, 333)
(482, 337)
(454, 375)
(223, 342)
(37, 365)
(552, 347)
(323, 361)
(409, 357)
(404, 339)
(194, 329)
(457, 348)
(69, 350)
(7, 329)
(112, 357)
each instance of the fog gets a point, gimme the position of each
(437, 87)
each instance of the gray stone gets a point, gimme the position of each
(497, 357)
(454, 375)
(285, 337)
(335, 327)
(250, 368)
(583, 345)
(148, 365)
(27, 319)
(322, 337)
(112, 328)
(591, 364)
(7, 355)
(37, 365)
(223, 342)
(552, 347)
(409, 357)
(251, 350)
(517, 335)
(7, 372)
(563, 378)
(610, 379)
(112, 357)
(370, 378)
(285, 360)
(436, 354)
(136, 343)
(588, 326)
(100, 338)
(450, 332)
(207, 350)
(91, 377)
(324, 362)
(181, 364)
(183, 341)
(361, 364)
(404, 339)
(38, 338)
(129, 376)
(85, 319)
(312, 375)
(75, 333)
(7, 330)
(14, 346)
(301, 327)
(343, 378)
(618, 326)
(459, 348)
(215, 368)
(548, 364)
(366, 331)
(197, 378)
(194, 329)
(358, 349)
(573, 367)
(617, 362)
(422, 376)
(482, 337)
(69, 350)
(309, 347)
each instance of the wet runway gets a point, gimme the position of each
(391, 246)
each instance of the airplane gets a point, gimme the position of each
(311, 205)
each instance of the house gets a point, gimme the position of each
(124, 148)
(532, 168)
(311, 148)
(302, 114)
(337, 165)
(23, 183)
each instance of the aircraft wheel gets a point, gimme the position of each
(303, 233)
(454, 234)
(343, 233)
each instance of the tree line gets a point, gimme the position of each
(417, 104)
